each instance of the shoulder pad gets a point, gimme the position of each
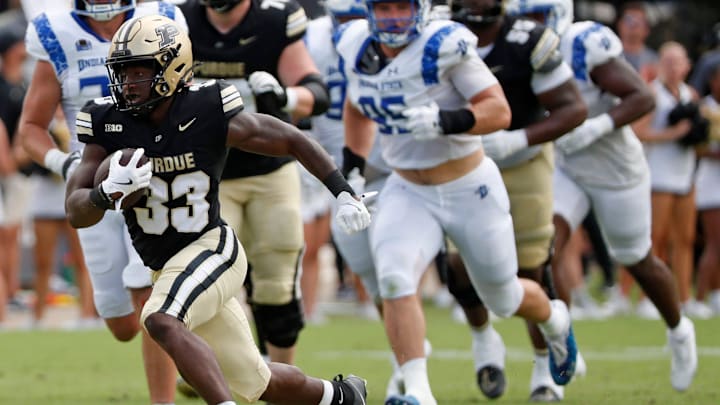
(232, 102)
(591, 44)
(446, 45)
(93, 111)
(546, 54)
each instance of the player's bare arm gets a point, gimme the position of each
(264, 134)
(617, 77)
(41, 100)
(491, 111)
(359, 130)
(566, 110)
(294, 65)
(80, 210)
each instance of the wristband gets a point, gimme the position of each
(99, 199)
(292, 99)
(54, 160)
(456, 121)
(336, 183)
(352, 160)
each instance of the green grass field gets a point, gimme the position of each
(627, 363)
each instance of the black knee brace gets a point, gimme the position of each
(280, 324)
(460, 286)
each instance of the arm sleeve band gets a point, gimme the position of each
(314, 82)
(456, 121)
(336, 183)
(351, 161)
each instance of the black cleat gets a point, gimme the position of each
(353, 385)
(544, 394)
(491, 381)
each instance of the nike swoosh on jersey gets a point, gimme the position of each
(245, 41)
(183, 127)
(124, 183)
(496, 69)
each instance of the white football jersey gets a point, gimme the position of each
(616, 159)
(327, 128)
(78, 55)
(441, 65)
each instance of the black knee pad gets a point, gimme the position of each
(543, 276)
(461, 288)
(280, 324)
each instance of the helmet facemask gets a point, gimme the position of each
(102, 10)
(476, 19)
(221, 6)
(398, 32)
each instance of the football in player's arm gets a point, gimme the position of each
(185, 131)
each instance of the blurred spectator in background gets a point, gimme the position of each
(16, 186)
(49, 223)
(708, 198)
(707, 63)
(633, 29)
(672, 169)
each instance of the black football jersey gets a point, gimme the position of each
(253, 45)
(187, 152)
(523, 47)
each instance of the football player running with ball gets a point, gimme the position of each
(198, 263)
(70, 47)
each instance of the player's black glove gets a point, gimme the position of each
(270, 95)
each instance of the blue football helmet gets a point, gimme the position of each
(102, 10)
(341, 10)
(397, 32)
(558, 13)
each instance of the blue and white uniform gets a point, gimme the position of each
(77, 54)
(411, 221)
(611, 174)
(327, 128)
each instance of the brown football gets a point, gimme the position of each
(102, 172)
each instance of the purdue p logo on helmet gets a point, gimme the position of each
(156, 40)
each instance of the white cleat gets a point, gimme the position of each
(646, 310)
(684, 354)
(488, 351)
(696, 309)
(542, 386)
(580, 366)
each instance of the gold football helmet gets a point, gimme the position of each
(156, 40)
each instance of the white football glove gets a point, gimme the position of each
(587, 133)
(356, 181)
(264, 82)
(126, 179)
(423, 122)
(501, 144)
(352, 215)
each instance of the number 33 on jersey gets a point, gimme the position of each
(182, 202)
